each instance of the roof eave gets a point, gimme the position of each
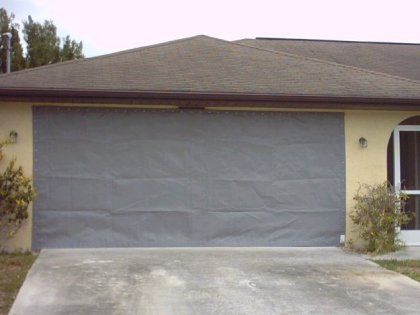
(199, 99)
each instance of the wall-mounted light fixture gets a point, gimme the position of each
(363, 142)
(13, 136)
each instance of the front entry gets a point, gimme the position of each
(406, 142)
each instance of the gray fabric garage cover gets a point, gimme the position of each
(115, 177)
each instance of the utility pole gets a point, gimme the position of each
(7, 44)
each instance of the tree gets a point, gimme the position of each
(7, 25)
(71, 49)
(43, 44)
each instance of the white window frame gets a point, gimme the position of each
(410, 237)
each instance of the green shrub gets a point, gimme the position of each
(377, 216)
(16, 192)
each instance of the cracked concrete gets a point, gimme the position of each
(213, 281)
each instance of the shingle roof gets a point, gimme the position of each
(393, 58)
(203, 64)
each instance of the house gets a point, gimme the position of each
(205, 142)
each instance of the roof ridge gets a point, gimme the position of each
(329, 40)
(123, 52)
(127, 51)
(386, 75)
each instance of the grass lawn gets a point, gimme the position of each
(410, 268)
(13, 270)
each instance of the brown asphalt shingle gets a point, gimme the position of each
(397, 59)
(203, 64)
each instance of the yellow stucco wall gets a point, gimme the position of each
(367, 165)
(18, 117)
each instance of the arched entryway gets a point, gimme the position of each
(404, 172)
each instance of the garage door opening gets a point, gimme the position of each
(120, 178)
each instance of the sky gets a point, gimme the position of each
(110, 26)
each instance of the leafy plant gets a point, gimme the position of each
(16, 192)
(377, 214)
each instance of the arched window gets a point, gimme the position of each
(404, 171)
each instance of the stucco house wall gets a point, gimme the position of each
(18, 117)
(367, 165)
(363, 165)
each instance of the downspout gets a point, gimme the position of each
(7, 38)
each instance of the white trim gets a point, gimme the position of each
(397, 163)
(397, 157)
(411, 192)
(410, 237)
(407, 128)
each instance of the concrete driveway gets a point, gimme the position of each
(213, 281)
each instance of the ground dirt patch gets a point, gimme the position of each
(13, 270)
(410, 268)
